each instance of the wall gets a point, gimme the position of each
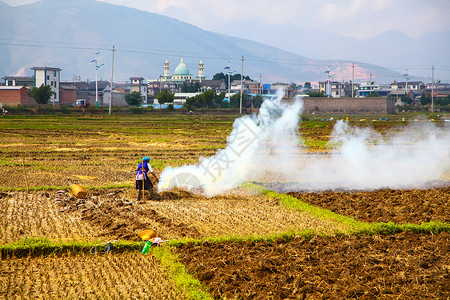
(15, 97)
(371, 105)
(67, 97)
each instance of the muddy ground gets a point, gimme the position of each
(401, 266)
(385, 205)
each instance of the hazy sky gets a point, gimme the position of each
(355, 18)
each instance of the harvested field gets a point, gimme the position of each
(386, 205)
(38, 215)
(400, 266)
(115, 214)
(240, 244)
(119, 276)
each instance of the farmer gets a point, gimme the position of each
(143, 182)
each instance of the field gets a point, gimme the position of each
(258, 241)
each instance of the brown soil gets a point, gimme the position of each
(119, 217)
(385, 205)
(401, 266)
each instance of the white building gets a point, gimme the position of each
(139, 85)
(369, 85)
(333, 89)
(48, 76)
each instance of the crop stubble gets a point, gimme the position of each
(85, 276)
(99, 153)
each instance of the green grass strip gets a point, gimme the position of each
(287, 236)
(188, 285)
(357, 227)
(392, 228)
(293, 203)
(35, 247)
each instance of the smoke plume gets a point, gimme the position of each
(267, 148)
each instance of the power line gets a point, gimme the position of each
(168, 53)
(202, 55)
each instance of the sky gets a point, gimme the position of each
(354, 18)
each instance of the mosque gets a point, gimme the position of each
(181, 73)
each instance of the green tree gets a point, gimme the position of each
(190, 103)
(220, 76)
(316, 94)
(208, 97)
(425, 99)
(191, 88)
(307, 86)
(218, 100)
(42, 94)
(165, 97)
(443, 101)
(134, 99)
(257, 101)
(406, 99)
(236, 99)
(373, 94)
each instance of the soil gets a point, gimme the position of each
(119, 217)
(400, 266)
(385, 205)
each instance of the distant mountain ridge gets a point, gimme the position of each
(392, 49)
(66, 34)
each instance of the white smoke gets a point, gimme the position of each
(266, 147)
(410, 158)
(251, 135)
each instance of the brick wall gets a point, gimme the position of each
(370, 105)
(67, 97)
(16, 97)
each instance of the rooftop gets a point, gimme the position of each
(181, 69)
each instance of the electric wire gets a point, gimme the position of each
(250, 58)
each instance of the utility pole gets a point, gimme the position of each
(96, 79)
(406, 79)
(432, 88)
(229, 91)
(353, 78)
(370, 83)
(112, 80)
(74, 88)
(260, 85)
(242, 88)
(327, 86)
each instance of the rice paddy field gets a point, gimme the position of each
(258, 241)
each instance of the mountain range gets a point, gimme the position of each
(67, 34)
(392, 49)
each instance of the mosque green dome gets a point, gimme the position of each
(181, 69)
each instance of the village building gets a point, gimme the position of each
(19, 81)
(48, 76)
(138, 84)
(173, 82)
(15, 96)
(332, 89)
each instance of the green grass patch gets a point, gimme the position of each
(356, 227)
(392, 228)
(296, 204)
(36, 247)
(190, 286)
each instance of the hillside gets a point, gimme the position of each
(66, 34)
